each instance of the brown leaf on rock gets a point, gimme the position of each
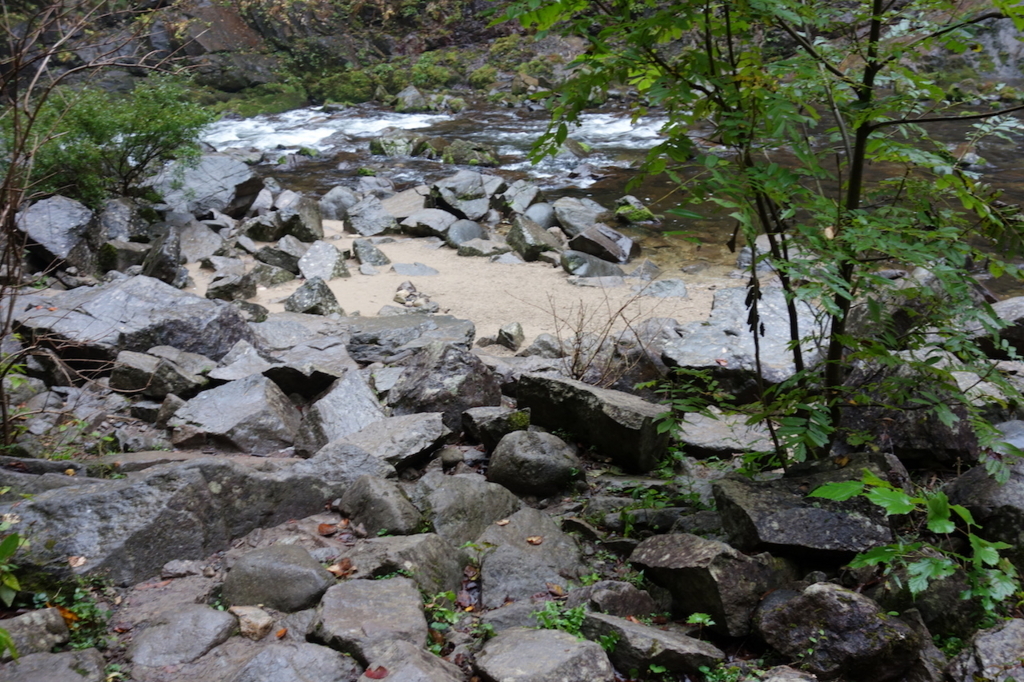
(464, 600)
(281, 633)
(378, 673)
(76, 561)
(327, 529)
(555, 590)
(535, 539)
(342, 569)
(503, 522)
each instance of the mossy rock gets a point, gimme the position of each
(271, 98)
(466, 153)
(483, 78)
(634, 214)
(350, 87)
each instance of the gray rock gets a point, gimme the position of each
(998, 508)
(335, 204)
(721, 435)
(477, 248)
(640, 646)
(836, 631)
(181, 636)
(429, 222)
(119, 255)
(462, 231)
(263, 228)
(297, 662)
(70, 666)
(584, 265)
(323, 260)
(35, 632)
(59, 228)
(511, 336)
(523, 655)
(285, 254)
(152, 376)
(614, 598)
(470, 153)
(217, 182)
(407, 662)
(707, 576)
(724, 345)
(308, 369)
(368, 254)
(523, 556)
(231, 288)
(136, 314)
(534, 463)
(576, 215)
(410, 99)
(402, 441)
(302, 220)
(198, 241)
(463, 194)
(282, 577)
(266, 275)
(361, 617)
(251, 415)
(444, 378)
(404, 204)
(619, 425)
(314, 297)
(507, 259)
(996, 653)
(434, 563)
(663, 288)
(489, 425)
(520, 196)
(461, 507)
(543, 214)
(778, 516)
(348, 406)
(414, 270)
(368, 218)
(378, 339)
(605, 243)
(164, 261)
(121, 220)
(380, 505)
(530, 240)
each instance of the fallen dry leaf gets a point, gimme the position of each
(555, 590)
(327, 529)
(342, 569)
(723, 363)
(76, 561)
(70, 472)
(503, 522)
(343, 523)
(378, 673)
(535, 539)
(281, 633)
(68, 616)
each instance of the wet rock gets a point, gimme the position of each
(614, 598)
(640, 646)
(410, 99)
(368, 218)
(58, 229)
(576, 215)
(297, 662)
(631, 210)
(368, 254)
(402, 441)
(348, 406)
(360, 617)
(463, 194)
(335, 204)
(619, 425)
(707, 576)
(469, 153)
(524, 655)
(251, 415)
(314, 297)
(444, 378)
(263, 228)
(70, 666)
(724, 346)
(523, 556)
(461, 507)
(489, 425)
(35, 632)
(282, 577)
(837, 632)
(434, 563)
(152, 376)
(380, 505)
(301, 219)
(136, 314)
(529, 239)
(605, 243)
(533, 463)
(584, 265)
(324, 261)
(181, 636)
(217, 182)
(996, 653)
(163, 261)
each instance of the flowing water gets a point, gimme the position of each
(616, 143)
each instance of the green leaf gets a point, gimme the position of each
(925, 570)
(891, 500)
(838, 491)
(9, 546)
(875, 556)
(938, 514)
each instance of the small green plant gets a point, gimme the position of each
(441, 616)
(86, 620)
(949, 646)
(608, 642)
(701, 620)
(992, 578)
(554, 616)
(721, 673)
(9, 586)
(590, 578)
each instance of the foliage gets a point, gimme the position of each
(9, 585)
(555, 616)
(775, 111)
(101, 144)
(85, 618)
(441, 616)
(992, 578)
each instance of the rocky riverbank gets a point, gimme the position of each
(306, 494)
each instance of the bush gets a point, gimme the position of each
(100, 144)
(483, 78)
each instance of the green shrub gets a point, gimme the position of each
(483, 78)
(348, 87)
(98, 143)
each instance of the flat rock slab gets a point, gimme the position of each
(376, 339)
(402, 441)
(405, 662)
(360, 617)
(522, 655)
(283, 577)
(620, 425)
(35, 632)
(181, 636)
(640, 646)
(722, 435)
(298, 662)
(461, 507)
(70, 666)
(435, 564)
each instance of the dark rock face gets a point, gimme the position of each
(164, 262)
(214, 183)
(618, 424)
(993, 654)
(444, 378)
(283, 577)
(59, 228)
(529, 463)
(530, 240)
(641, 646)
(997, 507)
(837, 632)
(314, 297)
(136, 314)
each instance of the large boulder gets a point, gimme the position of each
(381, 339)
(524, 655)
(135, 314)
(530, 240)
(464, 194)
(639, 646)
(348, 406)
(996, 653)
(435, 564)
(577, 215)
(462, 507)
(58, 229)
(619, 425)
(282, 577)
(998, 508)
(368, 218)
(217, 181)
(181, 636)
(402, 441)
(532, 463)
